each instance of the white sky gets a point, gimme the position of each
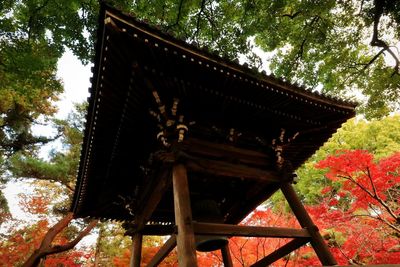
(76, 82)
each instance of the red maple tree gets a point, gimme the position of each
(20, 243)
(360, 212)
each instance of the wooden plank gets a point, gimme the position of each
(136, 250)
(280, 252)
(242, 230)
(163, 252)
(183, 218)
(226, 256)
(318, 243)
(225, 169)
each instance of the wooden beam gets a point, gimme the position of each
(168, 246)
(242, 230)
(227, 152)
(183, 218)
(225, 169)
(305, 221)
(226, 256)
(150, 199)
(159, 230)
(280, 252)
(136, 250)
(229, 230)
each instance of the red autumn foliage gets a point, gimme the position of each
(372, 186)
(362, 216)
(34, 204)
(20, 243)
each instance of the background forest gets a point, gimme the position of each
(348, 49)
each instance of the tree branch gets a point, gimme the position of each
(46, 248)
(378, 198)
(178, 16)
(71, 244)
(373, 59)
(394, 227)
(203, 2)
(372, 195)
(292, 16)
(379, 9)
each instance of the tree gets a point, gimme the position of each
(58, 173)
(20, 240)
(379, 137)
(46, 248)
(352, 237)
(314, 43)
(62, 164)
(340, 46)
(372, 187)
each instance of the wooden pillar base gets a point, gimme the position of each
(136, 250)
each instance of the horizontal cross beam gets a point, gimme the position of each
(230, 230)
(225, 169)
(207, 149)
(253, 231)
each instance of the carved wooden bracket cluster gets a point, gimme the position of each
(172, 126)
(278, 144)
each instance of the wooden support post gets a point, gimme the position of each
(305, 221)
(163, 252)
(226, 256)
(136, 250)
(183, 218)
(280, 252)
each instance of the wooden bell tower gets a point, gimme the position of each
(181, 142)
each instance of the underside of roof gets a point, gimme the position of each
(146, 83)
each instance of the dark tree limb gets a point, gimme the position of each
(373, 59)
(379, 11)
(292, 16)
(178, 16)
(46, 248)
(203, 3)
